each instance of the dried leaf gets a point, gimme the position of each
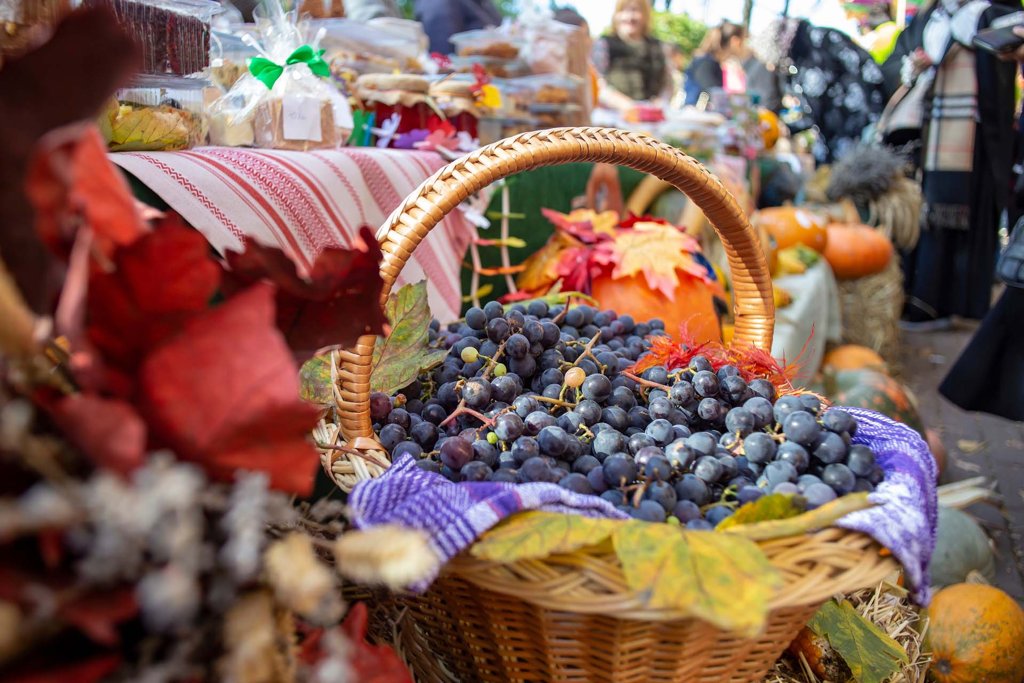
(371, 663)
(301, 582)
(534, 535)
(108, 431)
(315, 380)
(969, 446)
(869, 652)
(225, 394)
(400, 356)
(130, 128)
(658, 251)
(584, 224)
(766, 508)
(818, 518)
(333, 306)
(703, 574)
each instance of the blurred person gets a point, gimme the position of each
(964, 101)
(723, 61)
(634, 66)
(442, 19)
(365, 10)
(568, 15)
(878, 31)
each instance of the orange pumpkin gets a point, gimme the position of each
(853, 357)
(937, 448)
(976, 635)
(692, 306)
(856, 251)
(791, 225)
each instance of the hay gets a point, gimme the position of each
(897, 213)
(871, 308)
(888, 607)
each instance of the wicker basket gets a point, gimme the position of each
(572, 617)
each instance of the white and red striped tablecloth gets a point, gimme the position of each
(304, 202)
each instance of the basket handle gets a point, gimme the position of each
(753, 306)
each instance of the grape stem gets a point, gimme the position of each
(639, 495)
(645, 382)
(462, 409)
(555, 401)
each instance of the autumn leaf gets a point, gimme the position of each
(702, 574)
(371, 663)
(97, 614)
(765, 508)
(400, 356)
(92, 670)
(225, 394)
(870, 653)
(818, 518)
(335, 304)
(540, 270)
(534, 535)
(584, 224)
(659, 252)
(315, 381)
(109, 432)
(146, 129)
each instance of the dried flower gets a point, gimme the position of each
(245, 524)
(390, 555)
(169, 599)
(257, 652)
(301, 582)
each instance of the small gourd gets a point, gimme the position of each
(961, 547)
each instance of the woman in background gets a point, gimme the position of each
(634, 66)
(714, 66)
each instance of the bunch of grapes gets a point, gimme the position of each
(539, 394)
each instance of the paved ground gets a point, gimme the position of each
(978, 444)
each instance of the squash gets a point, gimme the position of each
(856, 251)
(853, 357)
(790, 225)
(693, 304)
(937, 448)
(976, 635)
(960, 548)
(873, 390)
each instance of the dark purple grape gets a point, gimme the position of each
(597, 388)
(524, 448)
(802, 428)
(429, 465)
(400, 417)
(485, 452)
(614, 496)
(456, 452)
(476, 393)
(730, 441)
(535, 469)
(577, 483)
(589, 411)
(493, 309)
(585, 463)
(425, 434)
(680, 431)
(699, 525)
(830, 449)
(787, 488)
(434, 413)
(733, 389)
(524, 367)
(661, 431)
(553, 441)
(616, 417)
(702, 443)
(786, 405)
(748, 494)
(380, 406)
(806, 480)
(517, 346)
(504, 388)
(649, 511)
(778, 472)
(661, 493)
(597, 480)
(608, 442)
(686, 510)
(706, 384)
(811, 403)
(818, 494)
(415, 408)
(740, 421)
(708, 469)
(517, 316)
(761, 409)
(476, 318)
(658, 467)
(763, 388)
(863, 486)
(476, 471)
(659, 407)
(795, 454)
(391, 435)
(551, 334)
(524, 405)
(623, 398)
(729, 467)
(679, 454)
(508, 476)
(639, 441)
(570, 422)
(840, 478)
(498, 329)
(536, 421)
(711, 410)
(861, 460)
(658, 374)
(447, 395)
(639, 417)
(690, 487)
(682, 393)
(619, 470)
(644, 455)
(573, 318)
(700, 364)
(407, 448)
(533, 331)
(877, 475)
(717, 514)
(839, 421)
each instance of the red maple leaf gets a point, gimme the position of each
(225, 394)
(108, 431)
(337, 302)
(370, 663)
(633, 219)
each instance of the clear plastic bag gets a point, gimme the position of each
(157, 113)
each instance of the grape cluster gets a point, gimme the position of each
(539, 394)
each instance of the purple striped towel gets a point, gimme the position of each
(454, 515)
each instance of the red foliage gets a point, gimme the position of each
(88, 671)
(108, 431)
(371, 663)
(334, 305)
(633, 219)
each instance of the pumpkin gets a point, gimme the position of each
(790, 225)
(856, 251)
(853, 357)
(976, 635)
(693, 304)
(961, 547)
(873, 390)
(937, 448)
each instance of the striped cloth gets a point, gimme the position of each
(455, 515)
(304, 202)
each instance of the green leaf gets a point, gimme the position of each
(557, 299)
(766, 508)
(722, 578)
(869, 652)
(535, 535)
(315, 380)
(404, 354)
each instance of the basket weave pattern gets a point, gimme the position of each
(573, 617)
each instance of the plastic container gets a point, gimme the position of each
(557, 100)
(174, 34)
(493, 66)
(157, 113)
(486, 43)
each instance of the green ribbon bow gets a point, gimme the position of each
(268, 72)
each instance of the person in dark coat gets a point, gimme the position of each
(442, 19)
(965, 152)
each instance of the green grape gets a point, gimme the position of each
(470, 354)
(500, 370)
(492, 438)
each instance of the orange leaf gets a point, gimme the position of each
(540, 270)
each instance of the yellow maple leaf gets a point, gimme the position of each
(659, 252)
(603, 222)
(534, 535)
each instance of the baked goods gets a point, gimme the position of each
(551, 94)
(271, 124)
(499, 49)
(384, 82)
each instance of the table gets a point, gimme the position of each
(813, 319)
(304, 202)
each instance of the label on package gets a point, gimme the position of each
(301, 118)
